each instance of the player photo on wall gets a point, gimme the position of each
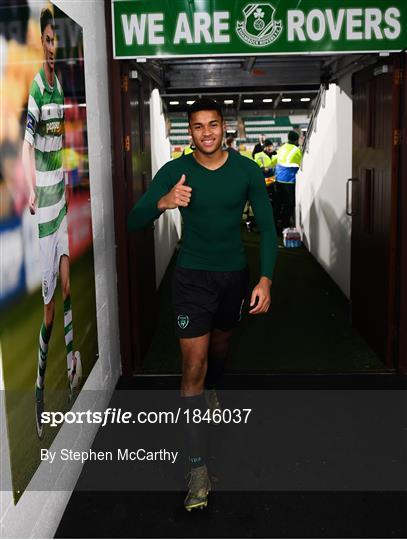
(47, 295)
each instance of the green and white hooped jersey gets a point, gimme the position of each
(44, 128)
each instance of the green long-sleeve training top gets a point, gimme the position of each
(211, 233)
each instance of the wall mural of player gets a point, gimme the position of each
(49, 200)
(46, 235)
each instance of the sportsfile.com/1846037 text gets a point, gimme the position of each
(111, 415)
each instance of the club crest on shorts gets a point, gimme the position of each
(259, 27)
(183, 321)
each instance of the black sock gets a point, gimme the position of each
(214, 371)
(195, 432)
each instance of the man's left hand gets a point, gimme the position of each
(261, 294)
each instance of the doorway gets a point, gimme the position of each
(172, 75)
(375, 172)
(130, 95)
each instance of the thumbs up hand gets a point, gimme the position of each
(180, 195)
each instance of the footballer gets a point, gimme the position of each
(48, 198)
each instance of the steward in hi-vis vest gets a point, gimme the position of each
(264, 161)
(188, 150)
(287, 161)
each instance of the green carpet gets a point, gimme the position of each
(306, 329)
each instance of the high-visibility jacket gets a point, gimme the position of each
(287, 161)
(188, 150)
(263, 160)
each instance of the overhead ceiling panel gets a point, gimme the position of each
(223, 73)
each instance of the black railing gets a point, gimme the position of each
(312, 126)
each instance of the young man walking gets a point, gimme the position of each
(210, 187)
(43, 147)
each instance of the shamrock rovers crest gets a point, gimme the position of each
(259, 28)
(183, 321)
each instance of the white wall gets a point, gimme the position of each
(321, 186)
(167, 229)
(37, 514)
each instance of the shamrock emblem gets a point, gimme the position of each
(259, 29)
(258, 15)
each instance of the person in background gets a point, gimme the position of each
(247, 212)
(188, 149)
(230, 145)
(287, 162)
(258, 147)
(263, 160)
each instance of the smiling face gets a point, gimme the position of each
(206, 129)
(48, 45)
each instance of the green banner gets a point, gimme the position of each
(168, 28)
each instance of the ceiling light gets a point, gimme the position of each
(305, 99)
(267, 100)
(228, 101)
(174, 102)
(248, 101)
(286, 99)
(190, 102)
